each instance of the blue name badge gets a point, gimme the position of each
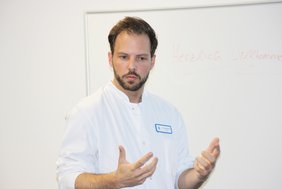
(166, 129)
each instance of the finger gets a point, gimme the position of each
(122, 155)
(202, 172)
(209, 157)
(148, 170)
(142, 160)
(216, 151)
(213, 145)
(204, 163)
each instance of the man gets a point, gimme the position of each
(123, 136)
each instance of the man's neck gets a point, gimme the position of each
(133, 96)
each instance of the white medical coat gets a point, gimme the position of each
(99, 123)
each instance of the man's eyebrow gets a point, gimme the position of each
(143, 54)
(121, 53)
(124, 53)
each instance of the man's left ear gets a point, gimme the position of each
(153, 61)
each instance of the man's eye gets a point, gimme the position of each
(123, 57)
(141, 58)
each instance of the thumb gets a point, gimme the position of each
(122, 155)
(213, 147)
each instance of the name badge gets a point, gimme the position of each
(161, 128)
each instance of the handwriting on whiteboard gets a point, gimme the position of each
(189, 56)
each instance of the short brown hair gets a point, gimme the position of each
(133, 25)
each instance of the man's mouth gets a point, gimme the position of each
(131, 76)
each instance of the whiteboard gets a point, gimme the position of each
(221, 66)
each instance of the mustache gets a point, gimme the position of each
(132, 73)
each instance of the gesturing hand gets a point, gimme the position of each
(132, 174)
(205, 163)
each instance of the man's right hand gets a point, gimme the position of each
(132, 174)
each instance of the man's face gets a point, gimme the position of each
(131, 61)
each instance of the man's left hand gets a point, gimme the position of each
(205, 163)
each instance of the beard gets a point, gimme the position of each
(130, 85)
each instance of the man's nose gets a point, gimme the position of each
(132, 63)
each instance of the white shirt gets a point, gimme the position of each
(98, 124)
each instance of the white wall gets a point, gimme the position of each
(42, 75)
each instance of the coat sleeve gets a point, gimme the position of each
(185, 160)
(77, 152)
